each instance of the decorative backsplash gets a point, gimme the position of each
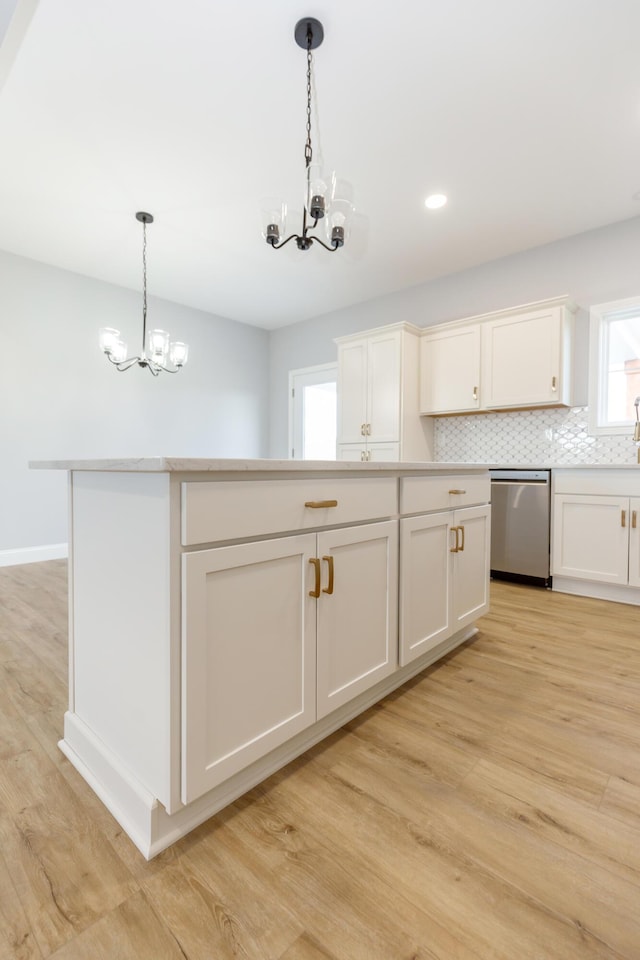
(535, 437)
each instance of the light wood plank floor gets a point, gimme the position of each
(488, 809)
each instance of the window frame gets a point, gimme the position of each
(600, 316)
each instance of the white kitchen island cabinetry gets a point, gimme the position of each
(378, 397)
(226, 615)
(444, 555)
(595, 548)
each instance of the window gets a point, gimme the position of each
(614, 366)
(312, 412)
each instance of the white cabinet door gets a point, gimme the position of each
(591, 537)
(634, 542)
(357, 611)
(444, 576)
(522, 359)
(450, 371)
(369, 389)
(425, 583)
(383, 389)
(249, 645)
(351, 451)
(471, 562)
(379, 452)
(352, 391)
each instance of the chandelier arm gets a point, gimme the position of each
(122, 365)
(323, 244)
(279, 246)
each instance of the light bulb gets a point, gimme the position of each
(108, 337)
(158, 341)
(178, 353)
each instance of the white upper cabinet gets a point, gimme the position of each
(526, 359)
(450, 370)
(516, 358)
(378, 396)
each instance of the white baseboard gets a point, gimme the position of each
(53, 551)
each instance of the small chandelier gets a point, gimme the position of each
(321, 201)
(157, 352)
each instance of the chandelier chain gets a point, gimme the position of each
(307, 146)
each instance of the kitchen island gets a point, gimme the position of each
(225, 615)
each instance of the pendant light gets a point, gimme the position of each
(322, 203)
(158, 353)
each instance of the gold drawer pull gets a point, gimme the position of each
(316, 590)
(461, 529)
(634, 518)
(623, 518)
(455, 548)
(459, 492)
(321, 504)
(475, 393)
(329, 586)
(554, 384)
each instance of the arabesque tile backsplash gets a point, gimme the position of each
(535, 437)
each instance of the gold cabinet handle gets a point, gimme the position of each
(316, 590)
(363, 456)
(475, 393)
(623, 518)
(320, 504)
(329, 586)
(368, 429)
(458, 493)
(554, 384)
(461, 529)
(634, 519)
(455, 548)
(363, 429)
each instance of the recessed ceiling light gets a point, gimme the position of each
(435, 201)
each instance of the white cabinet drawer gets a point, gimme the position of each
(231, 510)
(423, 494)
(604, 482)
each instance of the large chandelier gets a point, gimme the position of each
(321, 201)
(158, 353)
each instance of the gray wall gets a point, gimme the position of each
(593, 267)
(60, 398)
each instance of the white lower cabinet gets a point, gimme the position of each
(597, 538)
(371, 453)
(444, 582)
(278, 634)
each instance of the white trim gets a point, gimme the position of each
(599, 315)
(617, 593)
(53, 551)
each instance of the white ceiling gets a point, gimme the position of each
(525, 112)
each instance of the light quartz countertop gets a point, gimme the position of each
(204, 464)
(218, 465)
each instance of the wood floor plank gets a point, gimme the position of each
(131, 931)
(214, 904)
(555, 816)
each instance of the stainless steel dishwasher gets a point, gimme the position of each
(520, 525)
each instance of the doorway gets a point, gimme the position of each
(312, 412)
